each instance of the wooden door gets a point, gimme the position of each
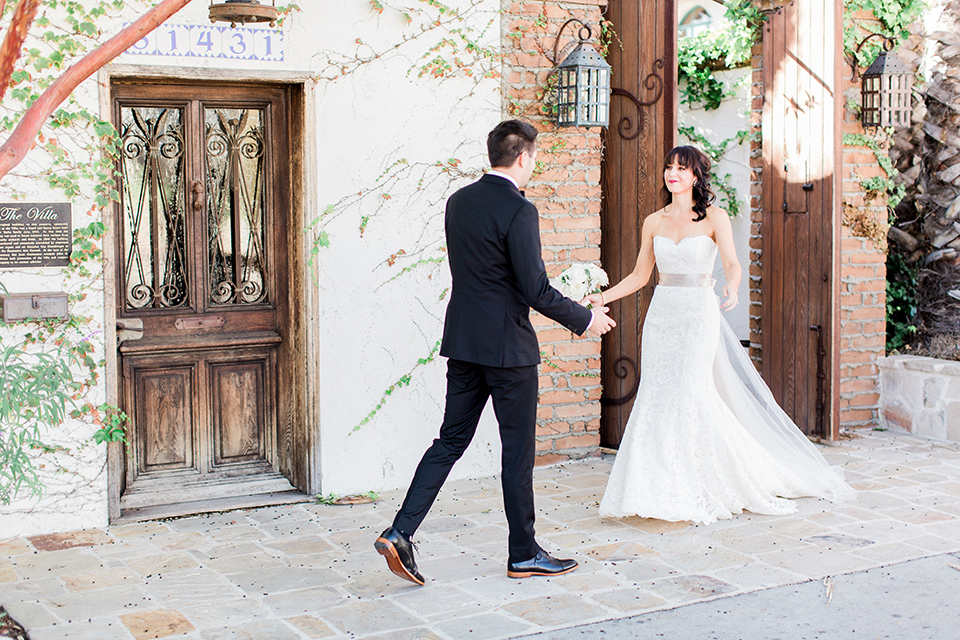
(800, 229)
(643, 124)
(202, 266)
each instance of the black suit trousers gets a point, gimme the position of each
(514, 392)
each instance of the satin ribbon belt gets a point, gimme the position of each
(686, 280)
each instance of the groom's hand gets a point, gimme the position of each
(601, 321)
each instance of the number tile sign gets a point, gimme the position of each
(35, 234)
(211, 41)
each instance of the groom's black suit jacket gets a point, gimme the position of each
(493, 241)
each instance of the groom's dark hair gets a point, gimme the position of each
(508, 140)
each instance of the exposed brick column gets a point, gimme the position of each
(756, 202)
(566, 190)
(863, 272)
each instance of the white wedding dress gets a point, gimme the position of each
(706, 439)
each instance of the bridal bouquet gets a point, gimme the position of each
(580, 280)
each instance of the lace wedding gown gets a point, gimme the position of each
(706, 439)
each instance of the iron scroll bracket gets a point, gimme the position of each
(653, 82)
(622, 372)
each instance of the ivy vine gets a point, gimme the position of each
(727, 48)
(49, 367)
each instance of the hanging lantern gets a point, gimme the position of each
(885, 89)
(243, 11)
(583, 88)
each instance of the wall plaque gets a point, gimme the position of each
(35, 234)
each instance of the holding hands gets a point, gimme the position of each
(601, 321)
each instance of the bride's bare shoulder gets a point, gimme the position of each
(653, 220)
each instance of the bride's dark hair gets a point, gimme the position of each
(698, 162)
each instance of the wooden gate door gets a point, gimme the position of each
(202, 265)
(801, 242)
(643, 124)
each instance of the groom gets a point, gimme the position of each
(493, 241)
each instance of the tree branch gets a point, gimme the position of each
(15, 149)
(13, 41)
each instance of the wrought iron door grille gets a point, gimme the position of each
(235, 205)
(154, 235)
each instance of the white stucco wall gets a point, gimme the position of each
(373, 328)
(716, 126)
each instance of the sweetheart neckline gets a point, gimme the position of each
(676, 244)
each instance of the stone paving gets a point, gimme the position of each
(310, 571)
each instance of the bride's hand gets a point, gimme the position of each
(731, 298)
(595, 299)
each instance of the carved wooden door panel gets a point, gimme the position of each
(201, 268)
(643, 124)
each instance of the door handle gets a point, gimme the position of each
(197, 189)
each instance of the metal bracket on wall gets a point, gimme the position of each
(653, 82)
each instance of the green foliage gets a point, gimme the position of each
(48, 366)
(893, 20)
(112, 425)
(729, 198)
(41, 378)
(332, 498)
(878, 185)
(79, 145)
(728, 48)
(902, 278)
(399, 384)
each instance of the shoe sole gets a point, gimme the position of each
(385, 548)
(529, 574)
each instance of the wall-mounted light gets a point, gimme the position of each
(886, 88)
(243, 11)
(583, 83)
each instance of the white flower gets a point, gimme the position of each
(580, 280)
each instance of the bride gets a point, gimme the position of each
(705, 439)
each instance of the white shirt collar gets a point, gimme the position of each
(499, 174)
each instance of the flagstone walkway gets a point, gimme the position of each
(310, 571)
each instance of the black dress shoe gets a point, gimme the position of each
(542, 564)
(399, 554)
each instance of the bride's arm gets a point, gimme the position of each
(723, 231)
(641, 272)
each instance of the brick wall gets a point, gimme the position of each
(863, 274)
(756, 200)
(566, 190)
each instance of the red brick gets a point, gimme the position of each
(577, 410)
(577, 348)
(866, 384)
(867, 313)
(576, 442)
(875, 284)
(586, 254)
(554, 334)
(585, 222)
(545, 445)
(562, 397)
(584, 381)
(856, 415)
(865, 400)
(847, 357)
(549, 458)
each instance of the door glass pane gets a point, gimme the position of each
(154, 227)
(235, 205)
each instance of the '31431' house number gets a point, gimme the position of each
(203, 41)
